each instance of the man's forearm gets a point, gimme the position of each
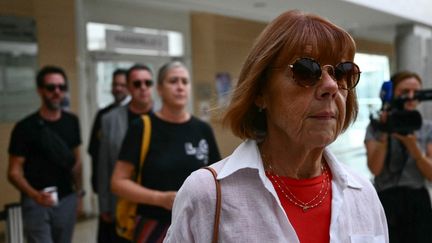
(77, 170)
(16, 176)
(22, 185)
(77, 175)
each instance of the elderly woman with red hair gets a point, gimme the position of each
(295, 96)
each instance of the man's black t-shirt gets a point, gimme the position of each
(38, 170)
(175, 151)
(133, 116)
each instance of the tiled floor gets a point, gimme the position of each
(85, 231)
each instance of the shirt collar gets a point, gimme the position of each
(340, 173)
(247, 155)
(126, 100)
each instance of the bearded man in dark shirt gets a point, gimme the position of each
(49, 182)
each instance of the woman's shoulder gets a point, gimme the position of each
(372, 132)
(201, 183)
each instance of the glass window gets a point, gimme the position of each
(349, 147)
(18, 65)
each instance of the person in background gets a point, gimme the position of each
(48, 187)
(121, 97)
(295, 95)
(180, 144)
(114, 125)
(401, 164)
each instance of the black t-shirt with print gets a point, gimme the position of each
(175, 151)
(38, 170)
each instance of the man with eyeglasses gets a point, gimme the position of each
(113, 129)
(49, 187)
(121, 97)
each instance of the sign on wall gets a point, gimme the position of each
(136, 41)
(18, 63)
(20, 29)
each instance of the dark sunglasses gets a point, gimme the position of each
(138, 83)
(53, 87)
(307, 72)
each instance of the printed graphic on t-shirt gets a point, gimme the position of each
(201, 151)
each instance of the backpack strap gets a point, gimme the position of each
(218, 205)
(145, 144)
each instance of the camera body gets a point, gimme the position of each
(398, 119)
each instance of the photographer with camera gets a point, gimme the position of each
(401, 161)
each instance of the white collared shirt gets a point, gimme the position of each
(252, 212)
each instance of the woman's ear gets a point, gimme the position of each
(259, 101)
(260, 118)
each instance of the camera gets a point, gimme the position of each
(398, 119)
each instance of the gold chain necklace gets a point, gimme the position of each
(314, 202)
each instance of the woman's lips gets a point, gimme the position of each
(324, 116)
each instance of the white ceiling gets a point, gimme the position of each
(360, 21)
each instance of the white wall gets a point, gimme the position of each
(417, 11)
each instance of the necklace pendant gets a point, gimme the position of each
(305, 208)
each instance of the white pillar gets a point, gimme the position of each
(414, 53)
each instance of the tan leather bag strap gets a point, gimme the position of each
(218, 205)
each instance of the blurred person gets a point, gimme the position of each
(295, 95)
(121, 97)
(179, 144)
(32, 168)
(114, 125)
(401, 164)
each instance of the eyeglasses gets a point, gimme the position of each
(138, 83)
(307, 72)
(53, 87)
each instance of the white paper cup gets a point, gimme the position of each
(54, 194)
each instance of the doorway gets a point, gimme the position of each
(102, 65)
(97, 90)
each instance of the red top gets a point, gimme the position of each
(313, 224)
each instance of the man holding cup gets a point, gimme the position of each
(44, 163)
